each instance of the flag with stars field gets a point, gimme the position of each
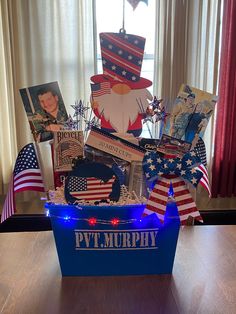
(26, 177)
(175, 171)
(90, 189)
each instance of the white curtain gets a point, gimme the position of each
(187, 50)
(41, 41)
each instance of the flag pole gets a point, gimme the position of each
(122, 30)
(38, 155)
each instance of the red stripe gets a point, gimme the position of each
(184, 202)
(157, 201)
(131, 67)
(155, 209)
(182, 192)
(28, 181)
(31, 188)
(28, 173)
(125, 45)
(188, 211)
(118, 78)
(157, 191)
(163, 183)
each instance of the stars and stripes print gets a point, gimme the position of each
(90, 189)
(100, 89)
(70, 149)
(205, 179)
(26, 177)
(200, 150)
(122, 55)
(158, 198)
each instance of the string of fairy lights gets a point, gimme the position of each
(92, 221)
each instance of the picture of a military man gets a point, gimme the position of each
(180, 116)
(51, 115)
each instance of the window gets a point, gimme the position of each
(141, 21)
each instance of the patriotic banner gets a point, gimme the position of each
(174, 171)
(26, 177)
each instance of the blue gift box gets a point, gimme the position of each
(113, 240)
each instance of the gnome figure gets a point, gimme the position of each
(118, 93)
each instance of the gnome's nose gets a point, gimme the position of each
(121, 89)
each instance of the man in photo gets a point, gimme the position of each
(51, 115)
(180, 116)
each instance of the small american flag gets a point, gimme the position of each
(90, 189)
(205, 179)
(200, 150)
(70, 149)
(26, 177)
(100, 89)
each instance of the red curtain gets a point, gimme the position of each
(224, 162)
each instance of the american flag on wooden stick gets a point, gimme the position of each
(26, 177)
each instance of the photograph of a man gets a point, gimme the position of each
(45, 110)
(180, 116)
(190, 113)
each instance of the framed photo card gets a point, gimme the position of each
(190, 113)
(45, 110)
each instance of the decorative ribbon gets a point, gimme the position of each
(175, 171)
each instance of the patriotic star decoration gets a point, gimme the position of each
(94, 122)
(162, 115)
(71, 124)
(79, 108)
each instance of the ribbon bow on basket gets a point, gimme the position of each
(176, 172)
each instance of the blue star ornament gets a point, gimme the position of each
(79, 108)
(71, 124)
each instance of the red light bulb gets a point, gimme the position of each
(115, 222)
(92, 221)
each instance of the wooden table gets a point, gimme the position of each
(203, 279)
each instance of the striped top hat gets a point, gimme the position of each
(122, 57)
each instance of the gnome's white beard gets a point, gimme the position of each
(121, 110)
